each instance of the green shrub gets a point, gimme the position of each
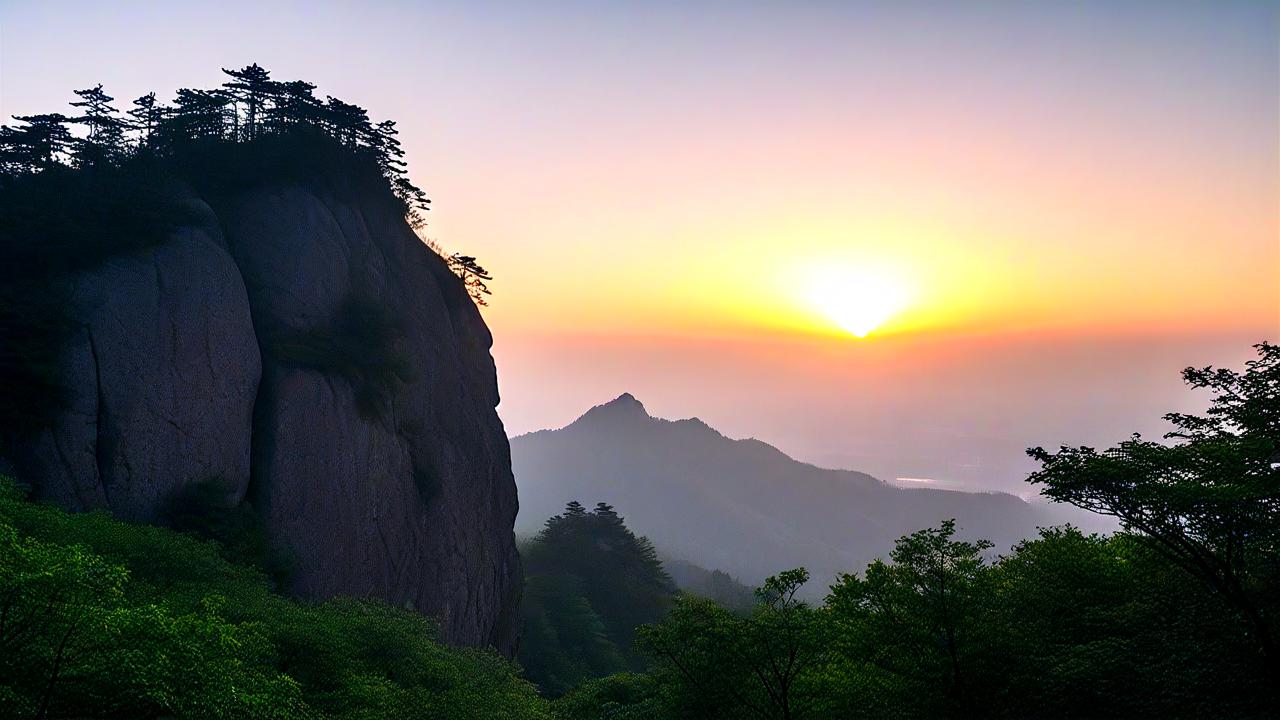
(209, 510)
(624, 696)
(165, 626)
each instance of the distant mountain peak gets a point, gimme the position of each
(623, 407)
(626, 399)
(743, 506)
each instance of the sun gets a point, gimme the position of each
(859, 300)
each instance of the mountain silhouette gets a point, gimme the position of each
(741, 506)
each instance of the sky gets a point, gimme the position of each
(1037, 213)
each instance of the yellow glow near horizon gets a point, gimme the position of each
(859, 300)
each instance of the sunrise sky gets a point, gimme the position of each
(1052, 207)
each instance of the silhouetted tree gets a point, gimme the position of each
(197, 114)
(105, 137)
(348, 124)
(387, 149)
(41, 142)
(294, 106)
(201, 116)
(1211, 501)
(251, 85)
(390, 156)
(474, 277)
(147, 115)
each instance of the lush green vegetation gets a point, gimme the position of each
(1065, 626)
(100, 618)
(208, 510)
(1174, 617)
(589, 583)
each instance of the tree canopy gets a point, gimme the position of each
(1209, 501)
(250, 105)
(1172, 617)
(589, 583)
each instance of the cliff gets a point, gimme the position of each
(298, 344)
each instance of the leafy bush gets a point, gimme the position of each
(208, 510)
(141, 621)
(624, 696)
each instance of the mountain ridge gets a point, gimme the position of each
(739, 505)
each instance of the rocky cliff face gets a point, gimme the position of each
(175, 378)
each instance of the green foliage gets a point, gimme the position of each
(1210, 502)
(564, 640)
(718, 664)
(208, 510)
(1066, 626)
(1089, 626)
(589, 583)
(361, 344)
(77, 645)
(136, 621)
(624, 696)
(919, 619)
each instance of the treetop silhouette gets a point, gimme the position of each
(249, 106)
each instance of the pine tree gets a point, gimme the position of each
(146, 116)
(591, 582)
(387, 149)
(348, 124)
(41, 142)
(197, 114)
(268, 107)
(414, 198)
(251, 85)
(293, 106)
(105, 139)
(474, 277)
(390, 157)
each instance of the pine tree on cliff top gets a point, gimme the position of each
(251, 85)
(146, 114)
(105, 138)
